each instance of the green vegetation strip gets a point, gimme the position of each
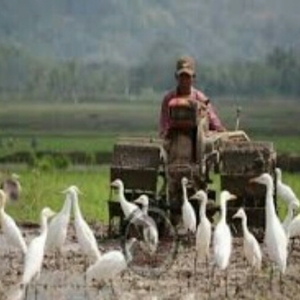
(44, 189)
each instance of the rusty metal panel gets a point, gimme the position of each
(136, 179)
(247, 158)
(136, 164)
(135, 156)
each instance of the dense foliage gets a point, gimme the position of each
(23, 78)
(71, 50)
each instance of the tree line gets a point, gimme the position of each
(26, 78)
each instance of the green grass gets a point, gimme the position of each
(44, 189)
(259, 116)
(86, 143)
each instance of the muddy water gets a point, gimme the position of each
(63, 278)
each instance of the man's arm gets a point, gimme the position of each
(164, 117)
(214, 121)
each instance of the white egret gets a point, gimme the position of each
(150, 231)
(293, 230)
(127, 207)
(222, 238)
(110, 264)
(284, 191)
(275, 238)
(203, 233)
(188, 213)
(58, 227)
(252, 249)
(84, 234)
(294, 227)
(144, 201)
(289, 217)
(35, 253)
(10, 229)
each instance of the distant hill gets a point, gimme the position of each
(128, 31)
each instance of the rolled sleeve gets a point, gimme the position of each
(214, 121)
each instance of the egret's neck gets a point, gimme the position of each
(44, 225)
(184, 193)
(223, 211)
(278, 177)
(121, 194)
(270, 207)
(244, 225)
(67, 205)
(203, 209)
(77, 211)
(2, 202)
(289, 215)
(145, 209)
(2, 205)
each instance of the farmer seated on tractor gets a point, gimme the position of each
(185, 76)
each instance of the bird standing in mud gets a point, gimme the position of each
(203, 233)
(252, 249)
(110, 264)
(150, 231)
(275, 237)
(188, 213)
(9, 227)
(222, 238)
(128, 208)
(284, 191)
(58, 227)
(35, 253)
(84, 234)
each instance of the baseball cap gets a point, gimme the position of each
(185, 64)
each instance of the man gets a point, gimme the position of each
(185, 75)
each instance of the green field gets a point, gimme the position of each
(91, 127)
(41, 189)
(44, 189)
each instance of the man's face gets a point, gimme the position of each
(185, 80)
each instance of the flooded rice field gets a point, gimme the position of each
(62, 277)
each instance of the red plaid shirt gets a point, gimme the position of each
(214, 121)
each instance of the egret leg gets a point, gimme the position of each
(207, 272)
(211, 281)
(114, 293)
(35, 292)
(281, 283)
(226, 283)
(26, 292)
(290, 250)
(195, 263)
(252, 277)
(271, 277)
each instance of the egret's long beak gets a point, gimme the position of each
(253, 180)
(138, 201)
(235, 216)
(195, 197)
(114, 185)
(232, 197)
